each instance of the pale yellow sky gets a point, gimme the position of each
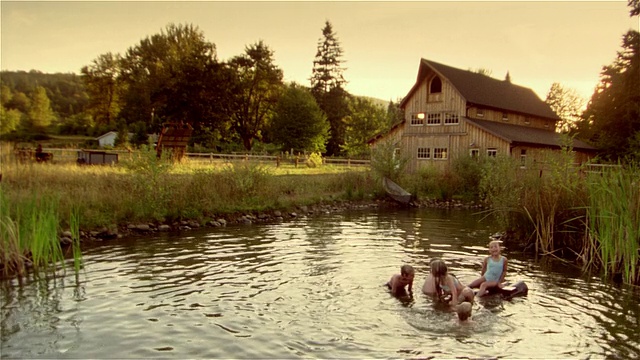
(537, 42)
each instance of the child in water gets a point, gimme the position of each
(398, 282)
(464, 311)
(494, 269)
(440, 284)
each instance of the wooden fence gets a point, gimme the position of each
(71, 155)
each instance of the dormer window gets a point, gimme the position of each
(505, 116)
(436, 86)
(480, 113)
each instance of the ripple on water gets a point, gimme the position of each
(311, 289)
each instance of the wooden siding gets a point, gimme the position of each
(512, 118)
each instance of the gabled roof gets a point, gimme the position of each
(515, 134)
(106, 134)
(483, 90)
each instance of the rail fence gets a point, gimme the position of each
(72, 155)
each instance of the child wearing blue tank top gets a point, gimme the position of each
(494, 269)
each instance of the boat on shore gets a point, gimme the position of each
(396, 192)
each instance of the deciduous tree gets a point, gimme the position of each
(567, 104)
(299, 123)
(365, 120)
(40, 114)
(258, 84)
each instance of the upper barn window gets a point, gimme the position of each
(435, 86)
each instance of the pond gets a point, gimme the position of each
(312, 288)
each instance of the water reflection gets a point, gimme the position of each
(311, 288)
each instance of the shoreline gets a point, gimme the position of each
(142, 229)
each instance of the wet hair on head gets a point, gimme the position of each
(438, 268)
(407, 269)
(499, 242)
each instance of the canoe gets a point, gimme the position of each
(396, 192)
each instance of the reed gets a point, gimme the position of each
(613, 221)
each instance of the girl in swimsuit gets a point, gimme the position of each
(494, 269)
(439, 283)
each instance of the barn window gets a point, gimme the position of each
(523, 158)
(480, 113)
(492, 152)
(475, 153)
(451, 119)
(436, 86)
(434, 119)
(440, 153)
(424, 153)
(417, 119)
(505, 116)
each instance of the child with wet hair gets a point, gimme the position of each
(440, 284)
(398, 282)
(494, 269)
(464, 311)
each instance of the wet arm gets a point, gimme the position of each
(484, 266)
(504, 271)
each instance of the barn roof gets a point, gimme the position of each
(483, 90)
(514, 134)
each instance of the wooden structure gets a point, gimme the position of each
(93, 157)
(174, 137)
(451, 112)
(396, 192)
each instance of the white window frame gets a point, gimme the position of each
(523, 158)
(440, 153)
(492, 152)
(433, 117)
(451, 119)
(424, 153)
(474, 153)
(417, 119)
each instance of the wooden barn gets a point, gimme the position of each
(451, 112)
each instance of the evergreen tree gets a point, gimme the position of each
(327, 87)
(612, 118)
(327, 66)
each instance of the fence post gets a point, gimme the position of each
(278, 161)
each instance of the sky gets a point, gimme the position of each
(537, 42)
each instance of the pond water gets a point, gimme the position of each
(311, 288)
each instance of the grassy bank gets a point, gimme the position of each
(39, 200)
(551, 207)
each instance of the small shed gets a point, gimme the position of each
(174, 137)
(99, 157)
(107, 139)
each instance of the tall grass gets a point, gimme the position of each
(29, 234)
(613, 221)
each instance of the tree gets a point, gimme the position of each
(366, 119)
(327, 66)
(171, 77)
(635, 7)
(102, 84)
(567, 104)
(40, 114)
(612, 116)
(9, 120)
(327, 86)
(258, 84)
(299, 123)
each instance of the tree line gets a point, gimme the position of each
(243, 103)
(176, 76)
